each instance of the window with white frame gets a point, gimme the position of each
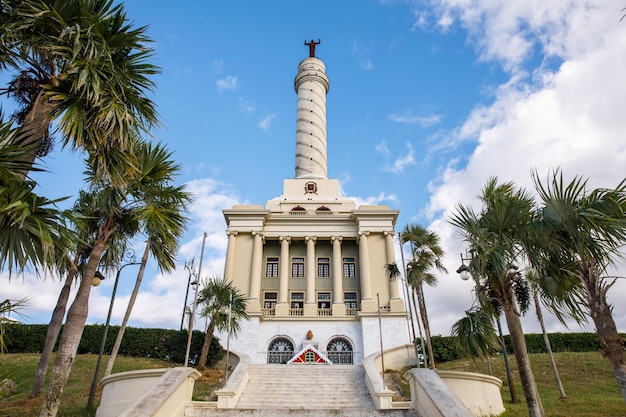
(297, 267)
(323, 300)
(271, 268)
(349, 268)
(350, 299)
(269, 300)
(323, 267)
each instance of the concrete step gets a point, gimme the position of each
(298, 413)
(306, 387)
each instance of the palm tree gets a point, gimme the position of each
(475, 335)
(220, 301)
(31, 226)
(81, 64)
(586, 230)
(494, 236)
(114, 209)
(426, 253)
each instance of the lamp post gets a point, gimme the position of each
(195, 299)
(191, 267)
(380, 331)
(94, 383)
(230, 312)
(465, 274)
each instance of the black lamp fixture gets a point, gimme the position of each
(97, 278)
(463, 270)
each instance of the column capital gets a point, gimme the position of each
(284, 238)
(256, 233)
(232, 232)
(389, 233)
(334, 238)
(308, 238)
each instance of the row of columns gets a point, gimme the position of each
(256, 269)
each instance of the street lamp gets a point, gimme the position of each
(94, 383)
(193, 311)
(191, 267)
(465, 274)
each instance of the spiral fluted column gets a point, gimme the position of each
(311, 84)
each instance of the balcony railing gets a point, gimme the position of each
(296, 312)
(268, 312)
(324, 312)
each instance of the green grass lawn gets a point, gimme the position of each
(587, 380)
(21, 368)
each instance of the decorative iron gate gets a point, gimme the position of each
(339, 351)
(280, 351)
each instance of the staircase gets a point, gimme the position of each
(303, 390)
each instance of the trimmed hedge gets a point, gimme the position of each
(445, 348)
(169, 345)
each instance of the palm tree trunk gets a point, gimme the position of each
(419, 327)
(204, 353)
(129, 309)
(424, 316)
(612, 344)
(533, 402)
(56, 321)
(72, 333)
(546, 340)
(34, 128)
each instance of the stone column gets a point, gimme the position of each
(339, 307)
(395, 302)
(282, 307)
(254, 305)
(229, 264)
(311, 84)
(310, 306)
(367, 304)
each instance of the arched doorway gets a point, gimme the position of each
(280, 350)
(339, 351)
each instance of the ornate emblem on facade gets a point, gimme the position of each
(310, 188)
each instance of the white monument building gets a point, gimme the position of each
(312, 264)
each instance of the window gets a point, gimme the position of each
(271, 268)
(323, 267)
(297, 300)
(270, 299)
(349, 298)
(309, 357)
(349, 268)
(323, 300)
(297, 267)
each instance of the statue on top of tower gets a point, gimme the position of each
(311, 46)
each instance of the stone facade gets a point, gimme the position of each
(311, 261)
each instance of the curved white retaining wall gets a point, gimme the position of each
(480, 393)
(152, 392)
(122, 389)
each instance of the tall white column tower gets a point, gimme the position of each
(311, 84)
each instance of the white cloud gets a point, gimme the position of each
(569, 117)
(367, 65)
(409, 118)
(228, 83)
(397, 166)
(265, 122)
(247, 106)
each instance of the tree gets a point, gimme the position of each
(585, 231)
(426, 253)
(219, 300)
(114, 209)
(81, 64)
(31, 226)
(494, 236)
(475, 334)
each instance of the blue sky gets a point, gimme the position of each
(427, 100)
